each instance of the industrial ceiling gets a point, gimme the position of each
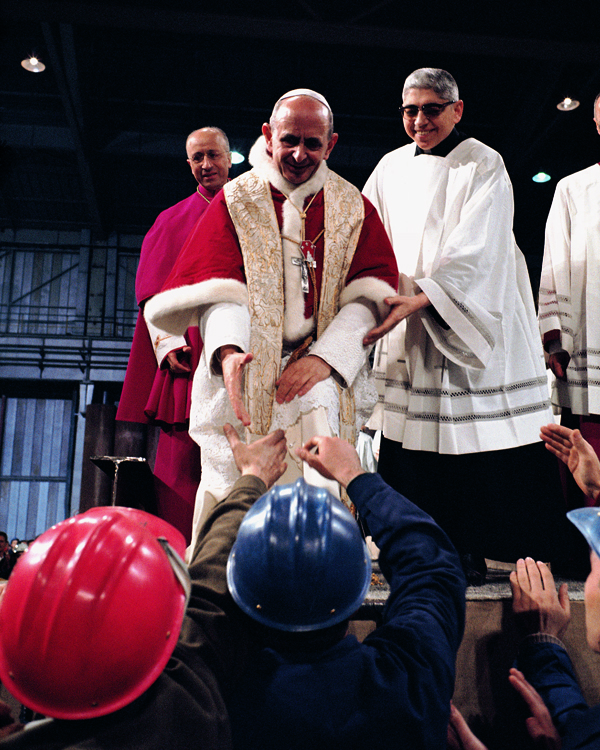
(97, 139)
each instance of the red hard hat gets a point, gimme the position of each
(91, 613)
(155, 525)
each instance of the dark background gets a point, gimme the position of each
(97, 140)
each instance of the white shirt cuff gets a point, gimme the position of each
(224, 324)
(341, 344)
(163, 342)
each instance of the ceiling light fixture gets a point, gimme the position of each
(541, 177)
(567, 104)
(237, 158)
(33, 64)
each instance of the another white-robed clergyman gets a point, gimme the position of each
(462, 384)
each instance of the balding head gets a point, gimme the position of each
(209, 157)
(299, 136)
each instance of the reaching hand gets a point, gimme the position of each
(579, 456)
(232, 364)
(539, 725)
(536, 605)
(460, 736)
(263, 458)
(300, 376)
(334, 458)
(402, 307)
(178, 359)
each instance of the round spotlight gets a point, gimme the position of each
(237, 158)
(33, 65)
(567, 104)
(541, 177)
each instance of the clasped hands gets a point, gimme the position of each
(178, 360)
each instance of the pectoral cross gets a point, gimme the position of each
(305, 263)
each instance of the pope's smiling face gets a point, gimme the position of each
(427, 132)
(299, 139)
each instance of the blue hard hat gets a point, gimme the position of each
(587, 521)
(299, 562)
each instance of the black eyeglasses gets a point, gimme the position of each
(429, 110)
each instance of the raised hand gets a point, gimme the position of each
(460, 736)
(334, 458)
(263, 459)
(539, 725)
(232, 364)
(536, 605)
(579, 456)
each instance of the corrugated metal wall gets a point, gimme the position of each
(67, 314)
(35, 463)
(85, 291)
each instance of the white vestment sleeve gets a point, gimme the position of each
(224, 324)
(163, 342)
(341, 344)
(466, 374)
(555, 308)
(469, 341)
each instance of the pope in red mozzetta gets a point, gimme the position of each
(286, 273)
(158, 382)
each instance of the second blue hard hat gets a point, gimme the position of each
(587, 521)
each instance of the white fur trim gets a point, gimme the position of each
(176, 309)
(371, 288)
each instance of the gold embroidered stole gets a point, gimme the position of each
(251, 208)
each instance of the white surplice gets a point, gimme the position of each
(570, 287)
(466, 374)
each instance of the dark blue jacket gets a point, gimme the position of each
(392, 690)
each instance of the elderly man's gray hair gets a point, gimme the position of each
(437, 79)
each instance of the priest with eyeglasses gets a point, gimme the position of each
(462, 382)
